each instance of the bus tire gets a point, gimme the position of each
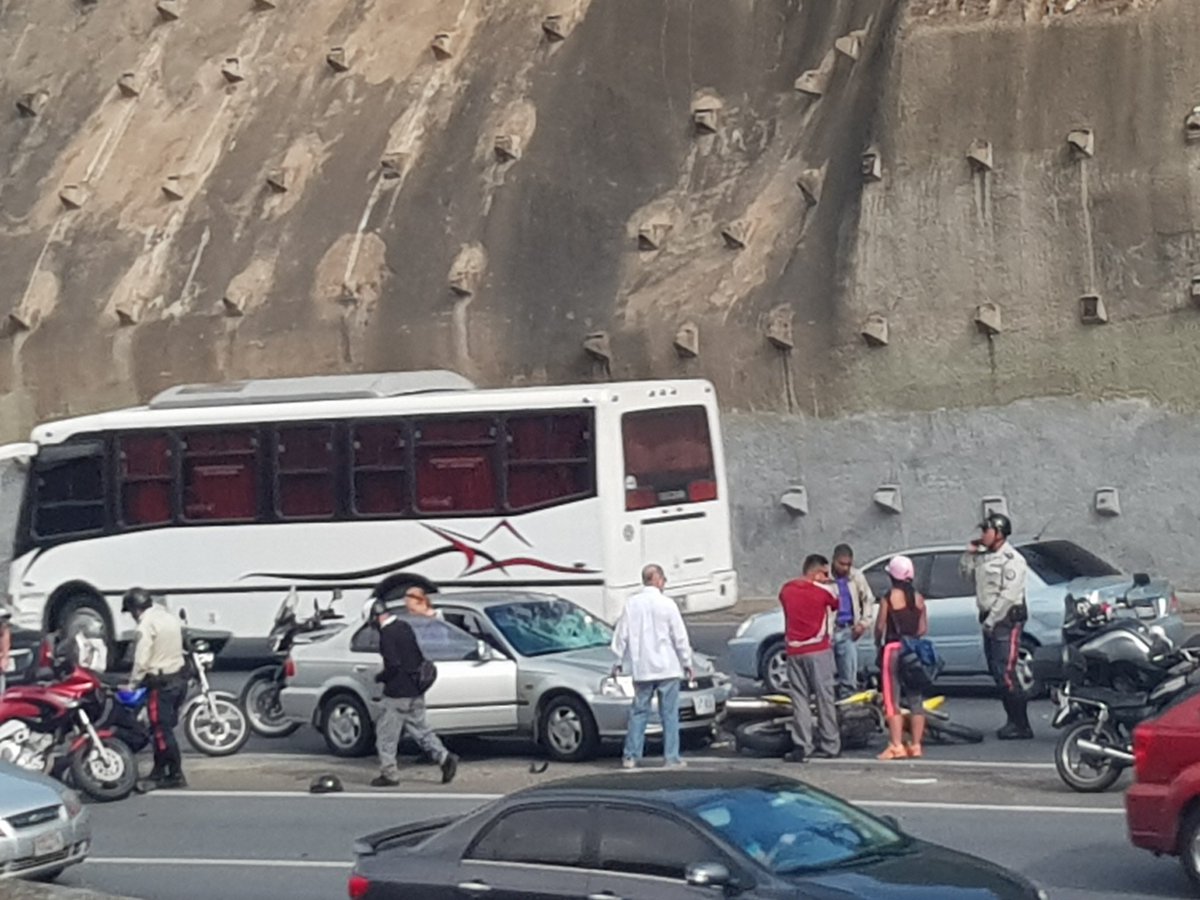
(85, 611)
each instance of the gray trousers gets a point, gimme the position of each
(404, 715)
(812, 678)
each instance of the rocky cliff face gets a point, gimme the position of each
(874, 208)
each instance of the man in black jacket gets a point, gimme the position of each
(403, 699)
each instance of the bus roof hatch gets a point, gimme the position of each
(310, 388)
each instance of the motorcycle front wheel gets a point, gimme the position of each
(770, 738)
(105, 773)
(1081, 771)
(260, 700)
(219, 731)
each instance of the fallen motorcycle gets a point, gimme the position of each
(762, 725)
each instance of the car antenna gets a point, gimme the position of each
(1038, 536)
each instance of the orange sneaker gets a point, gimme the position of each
(893, 752)
(914, 751)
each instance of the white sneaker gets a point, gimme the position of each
(628, 763)
(676, 764)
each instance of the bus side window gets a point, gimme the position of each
(456, 465)
(549, 459)
(70, 490)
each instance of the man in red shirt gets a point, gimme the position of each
(807, 605)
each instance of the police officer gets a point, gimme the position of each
(999, 573)
(158, 662)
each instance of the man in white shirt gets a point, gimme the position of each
(652, 636)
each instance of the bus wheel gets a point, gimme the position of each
(83, 614)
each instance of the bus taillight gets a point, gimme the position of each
(702, 490)
(641, 498)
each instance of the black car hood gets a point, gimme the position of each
(927, 872)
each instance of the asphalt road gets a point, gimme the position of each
(248, 828)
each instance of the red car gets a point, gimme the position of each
(1163, 806)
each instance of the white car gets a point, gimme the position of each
(44, 827)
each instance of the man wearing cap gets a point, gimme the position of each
(999, 572)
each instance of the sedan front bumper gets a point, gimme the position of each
(612, 713)
(45, 848)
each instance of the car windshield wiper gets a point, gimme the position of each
(900, 848)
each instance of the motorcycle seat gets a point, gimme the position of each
(1109, 697)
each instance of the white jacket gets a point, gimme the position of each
(651, 635)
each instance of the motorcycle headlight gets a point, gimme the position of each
(743, 628)
(71, 803)
(617, 686)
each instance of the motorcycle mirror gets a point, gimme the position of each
(183, 615)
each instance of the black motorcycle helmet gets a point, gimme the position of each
(136, 600)
(325, 784)
(999, 521)
(377, 611)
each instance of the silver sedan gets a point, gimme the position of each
(43, 825)
(508, 663)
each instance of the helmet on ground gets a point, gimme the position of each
(325, 784)
(136, 600)
(133, 698)
(901, 568)
(999, 521)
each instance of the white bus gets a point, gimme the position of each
(221, 498)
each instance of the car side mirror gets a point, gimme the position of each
(707, 874)
(483, 651)
(892, 822)
(1140, 579)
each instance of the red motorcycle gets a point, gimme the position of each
(51, 728)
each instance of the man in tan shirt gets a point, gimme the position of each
(158, 662)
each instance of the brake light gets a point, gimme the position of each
(1173, 606)
(702, 490)
(640, 498)
(289, 668)
(358, 887)
(1142, 740)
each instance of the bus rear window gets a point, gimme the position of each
(668, 457)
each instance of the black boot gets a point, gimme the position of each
(1017, 728)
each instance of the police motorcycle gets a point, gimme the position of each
(213, 721)
(1115, 672)
(260, 695)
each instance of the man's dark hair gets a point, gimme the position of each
(843, 551)
(813, 561)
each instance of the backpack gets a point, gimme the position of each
(426, 676)
(920, 664)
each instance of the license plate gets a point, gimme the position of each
(705, 704)
(48, 844)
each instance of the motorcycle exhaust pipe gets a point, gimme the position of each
(743, 706)
(1122, 756)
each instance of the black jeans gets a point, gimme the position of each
(1002, 648)
(166, 696)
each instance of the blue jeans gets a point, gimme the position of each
(639, 716)
(845, 656)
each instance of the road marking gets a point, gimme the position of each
(243, 863)
(345, 795)
(475, 798)
(861, 760)
(993, 807)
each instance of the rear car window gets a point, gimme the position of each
(1057, 562)
(668, 457)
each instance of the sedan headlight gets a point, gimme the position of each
(72, 803)
(744, 627)
(617, 686)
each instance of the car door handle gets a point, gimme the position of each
(474, 887)
(361, 668)
(604, 895)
